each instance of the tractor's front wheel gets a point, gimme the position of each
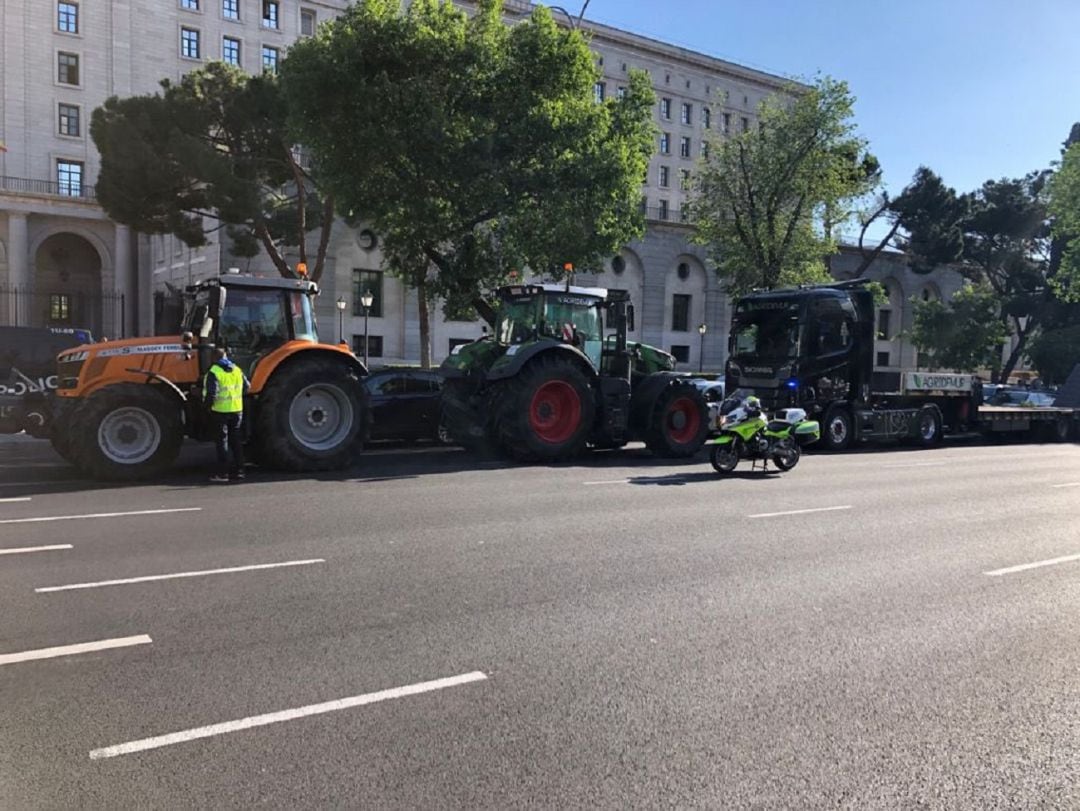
(679, 422)
(125, 431)
(546, 412)
(311, 416)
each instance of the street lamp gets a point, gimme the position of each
(341, 305)
(702, 329)
(366, 301)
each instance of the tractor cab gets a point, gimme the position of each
(250, 316)
(534, 312)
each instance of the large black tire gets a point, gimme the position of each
(836, 429)
(311, 416)
(546, 412)
(454, 420)
(123, 432)
(930, 426)
(62, 439)
(678, 421)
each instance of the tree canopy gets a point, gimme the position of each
(964, 334)
(473, 148)
(213, 147)
(765, 199)
(1064, 208)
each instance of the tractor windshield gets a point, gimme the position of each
(517, 320)
(575, 320)
(303, 318)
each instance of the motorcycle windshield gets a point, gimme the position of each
(734, 400)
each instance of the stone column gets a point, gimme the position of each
(19, 267)
(123, 276)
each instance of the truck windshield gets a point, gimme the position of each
(765, 334)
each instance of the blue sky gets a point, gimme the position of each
(974, 89)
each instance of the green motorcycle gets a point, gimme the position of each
(744, 432)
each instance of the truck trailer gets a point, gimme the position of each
(812, 347)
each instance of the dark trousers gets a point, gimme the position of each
(229, 437)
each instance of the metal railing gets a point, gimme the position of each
(103, 312)
(661, 214)
(25, 185)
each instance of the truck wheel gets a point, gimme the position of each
(930, 430)
(546, 412)
(678, 423)
(125, 431)
(311, 416)
(836, 433)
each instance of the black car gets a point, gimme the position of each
(405, 404)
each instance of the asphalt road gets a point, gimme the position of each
(612, 633)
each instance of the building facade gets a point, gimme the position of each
(63, 262)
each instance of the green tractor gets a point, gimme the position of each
(547, 383)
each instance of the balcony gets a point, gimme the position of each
(47, 188)
(664, 214)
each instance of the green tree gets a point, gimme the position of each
(1064, 208)
(472, 147)
(766, 200)
(962, 335)
(1054, 352)
(212, 149)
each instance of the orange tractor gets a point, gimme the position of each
(123, 408)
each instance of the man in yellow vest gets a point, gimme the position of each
(223, 392)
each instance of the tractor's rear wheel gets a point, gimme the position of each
(678, 422)
(123, 432)
(311, 416)
(546, 412)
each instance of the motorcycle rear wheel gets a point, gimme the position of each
(724, 458)
(786, 458)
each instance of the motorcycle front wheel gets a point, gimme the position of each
(787, 457)
(724, 458)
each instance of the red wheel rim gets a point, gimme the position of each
(683, 420)
(555, 411)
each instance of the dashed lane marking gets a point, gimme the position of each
(71, 650)
(1067, 484)
(284, 715)
(49, 548)
(177, 575)
(801, 512)
(98, 515)
(10, 500)
(1036, 565)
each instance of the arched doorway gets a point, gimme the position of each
(67, 285)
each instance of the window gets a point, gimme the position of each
(69, 119)
(665, 143)
(269, 59)
(684, 179)
(663, 177)
(598, 90)
(230, 9)
(744, 123)
(307, 22)
(270, 16)
(190, 5)
(726, 123)
(69, 177)
(706, 118)
(882, 358)
(883, 330)
(665, 109)
(687, 113)
(681, 353)
(621, 92)
(663, 213)
(684, 147)
(189, 43)
(680, 312)
(60, 307)
(67, 68)
(368, 281)
(230, 50)
(705, 150)
(374, 346)
(67, 17)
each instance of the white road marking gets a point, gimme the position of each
(801, 512)
(610, 481)
(98, 515)
(1068, 484)
(176, 575)
(284, 715)
(49, 548)
(9, 500)
(1037, 565)
(70, 650)
(917, 464)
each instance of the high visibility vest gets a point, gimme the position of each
(229, 397)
